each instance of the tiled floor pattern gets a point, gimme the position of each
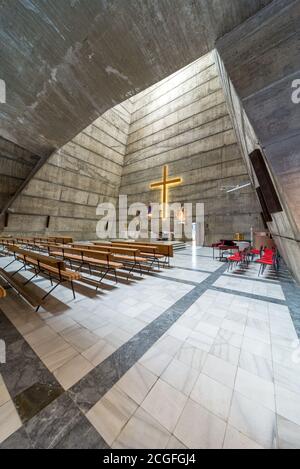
(188, 366)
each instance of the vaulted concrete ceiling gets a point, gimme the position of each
(65, 62)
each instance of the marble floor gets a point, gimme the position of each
(189, 357)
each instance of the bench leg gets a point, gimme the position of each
(72, 285)
(140, 267)
(15, 260)
(30, 280)
(115, 272)
(47, 294)
(19, 270)
(130, 271)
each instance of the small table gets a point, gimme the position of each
(223, 248)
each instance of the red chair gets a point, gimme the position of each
(269, 258)
(238, 258)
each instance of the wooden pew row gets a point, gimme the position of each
(165, 249)
(151, 252)
(129, 256)
(4, 242)
(60, 250)
(42, 240)
(105, 261)
(158, 250)
(50, 267)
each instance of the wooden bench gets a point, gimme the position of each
(28, 295)
(164, 249)
(130, 257)
(105, 261)
(150, 252)
(53, 268)
(4, 242)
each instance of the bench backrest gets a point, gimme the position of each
(165, 249)
(126, 251)
(45, 260)
(142, 248)
(13, 248)
(7, 242)
(83, 252)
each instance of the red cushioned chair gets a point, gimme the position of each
(238, 258)
(269, 258)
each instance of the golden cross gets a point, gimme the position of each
(164, 185)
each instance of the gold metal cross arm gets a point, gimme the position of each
(164, 185)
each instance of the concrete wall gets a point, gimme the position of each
(262, 59)
(67, 62)
(16, 164)
(183, 121)
(72, 182)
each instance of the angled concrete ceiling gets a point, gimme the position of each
(65, 62)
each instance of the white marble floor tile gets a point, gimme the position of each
(60, 323)
(288, 378)
(55, 360)
(254, 421)
(9, 420)
(40, 335)
(288, 434)
(226, 352)
(111, 414)
(192, 356)
(82, 339)
(137, 383)
(236, 440)
(72, 371)
(226, 337)
(212, 395)
(170, 345)
(198, 428)
(285, 342)
(220, 370)
(165, 404)
(4, 394)
(288, 357)
(256, 365)
(179, 331)
(174, 443)
(255, 388)
(288, 404)
(143, 432)
(118, 337)
(180, 376)
(99, 352)
(235, 316)
(233, 326)
(47, 347)
(200, 340)
(156, 361)
(207, 329)
(257, 347)
(255, 334)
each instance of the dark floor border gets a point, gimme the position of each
(292, 294)
(252, 296)
(102, 378)
(50, 418)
